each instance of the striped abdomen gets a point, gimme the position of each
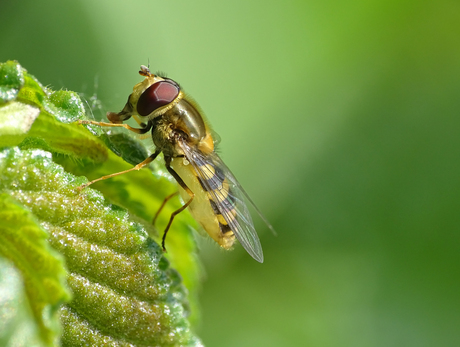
(220, 197)
(213, 205)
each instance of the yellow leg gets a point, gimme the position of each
(139, 121)
(137, 167)
(126, 126)
(179, 210)
(163, 205)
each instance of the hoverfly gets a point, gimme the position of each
(179, 131)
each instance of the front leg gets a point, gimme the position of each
(126, 126)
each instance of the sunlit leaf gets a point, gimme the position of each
(124, 288)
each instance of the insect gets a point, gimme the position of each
(179, 131)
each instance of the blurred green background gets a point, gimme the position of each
(341, 120)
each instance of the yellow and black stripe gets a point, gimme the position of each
(220, 197)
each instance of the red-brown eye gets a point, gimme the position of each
(157, 95)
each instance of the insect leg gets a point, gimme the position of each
(126, 126)
(139, 121)
(163, 205)
(186, 188)
(137, 167)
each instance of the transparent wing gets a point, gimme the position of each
(212, 172)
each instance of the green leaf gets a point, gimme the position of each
(16, 119)
(11, 80)
(24, 243)
(18, 326)
(124, 290)
(37, 278)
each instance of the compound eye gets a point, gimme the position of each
(157, 95)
